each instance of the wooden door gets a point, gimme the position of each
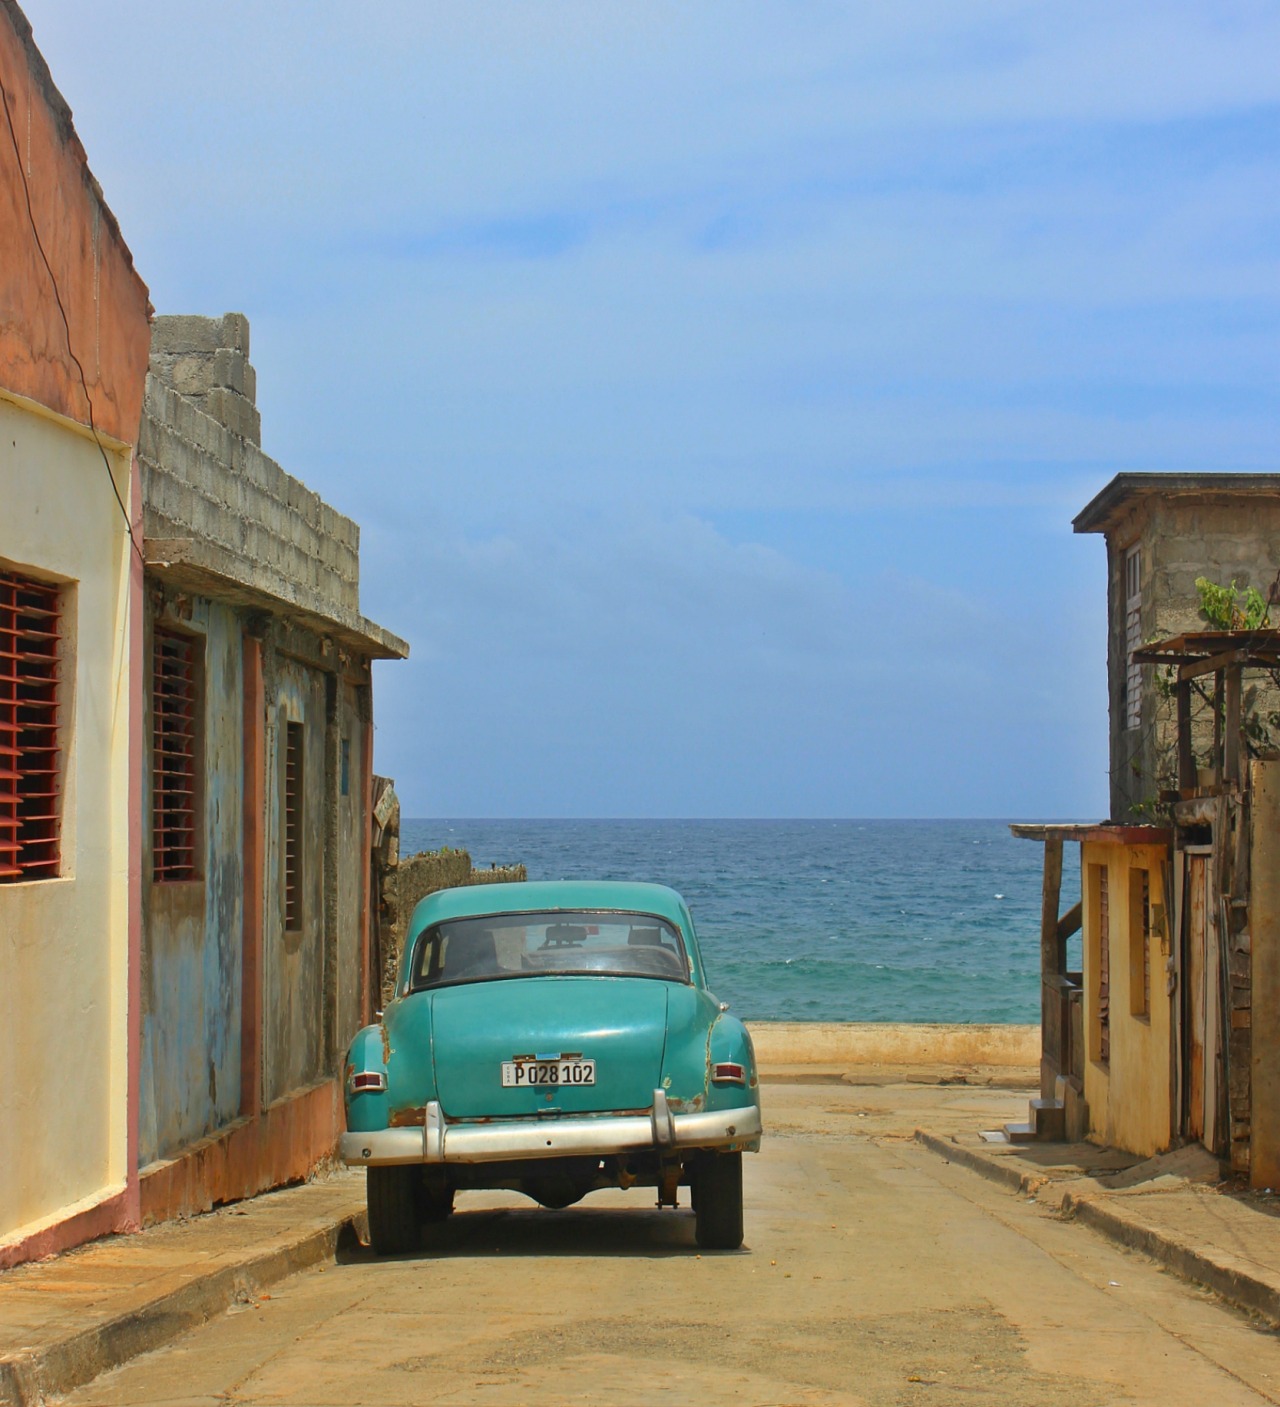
(1197, 900)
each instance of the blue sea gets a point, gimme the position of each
(817, 920)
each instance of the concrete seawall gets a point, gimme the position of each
(873, 1043)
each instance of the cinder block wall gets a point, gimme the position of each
(205, 478)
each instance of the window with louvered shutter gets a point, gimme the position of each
(293, 815)
(175, 755)
(1132, 676)
(30, 733)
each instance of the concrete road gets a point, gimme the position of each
(874, 1273)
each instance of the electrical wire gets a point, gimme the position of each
(57, 295)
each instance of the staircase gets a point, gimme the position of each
(1047, 1118)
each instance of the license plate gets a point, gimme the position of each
(548, 1073)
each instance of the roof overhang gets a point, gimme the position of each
(1094, 831)
(1102, 511)
(192, 566)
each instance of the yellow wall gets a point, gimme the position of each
(64, 941)
(1128, 1095)
(1264, 926)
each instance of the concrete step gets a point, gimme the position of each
(1046, 1123)
(1049, 1116)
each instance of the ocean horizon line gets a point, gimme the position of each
(1038, 819)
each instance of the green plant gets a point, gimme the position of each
(1224, 609)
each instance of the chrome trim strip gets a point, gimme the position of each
(381, 1148)
(433, 1134)
(504, 1140)
(664, 1131)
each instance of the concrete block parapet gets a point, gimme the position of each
(207, 361)
(176, 334)
(206, 482)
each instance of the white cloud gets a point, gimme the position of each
(540, 292)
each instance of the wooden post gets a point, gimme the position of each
(1050, 948)
(1217, 727)
(1186, 762)
(1051, 967)
(1232, 724)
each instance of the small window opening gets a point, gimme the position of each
(293, 775)
(1132, 674)
(346, 767)
(30, 736)
(175, 770)
(1139, 943)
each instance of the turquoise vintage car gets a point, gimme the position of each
(553, 1039)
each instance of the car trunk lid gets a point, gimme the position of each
(619, 1022)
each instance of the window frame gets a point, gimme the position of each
(1131, 674)
(292, 827)
(177, 810)
(32, 742)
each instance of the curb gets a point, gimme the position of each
(29, 1377)
(993, 1171)
(1234, 1283)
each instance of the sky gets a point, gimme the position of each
(715, 383)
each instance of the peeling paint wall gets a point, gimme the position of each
(192, 928)
(249, 998)
(105, 300)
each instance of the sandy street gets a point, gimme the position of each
(874, 1273)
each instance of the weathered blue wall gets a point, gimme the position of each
(193, 930)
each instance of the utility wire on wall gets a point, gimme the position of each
(57, 296)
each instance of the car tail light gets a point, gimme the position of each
(728, 1073)
(368, 1080)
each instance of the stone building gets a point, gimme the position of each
(1152, 1041)
(1162, 532)
(256, 958)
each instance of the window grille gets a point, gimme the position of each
(1132, 638)
(30, 741)
(293, 775)
(174, 771)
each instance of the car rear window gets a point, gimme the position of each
(595, 943)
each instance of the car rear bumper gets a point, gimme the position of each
(506, 1140)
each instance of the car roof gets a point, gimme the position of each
(528, 896)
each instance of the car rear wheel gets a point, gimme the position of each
(717, 1201)
(394, 1198)
(437, 1203)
